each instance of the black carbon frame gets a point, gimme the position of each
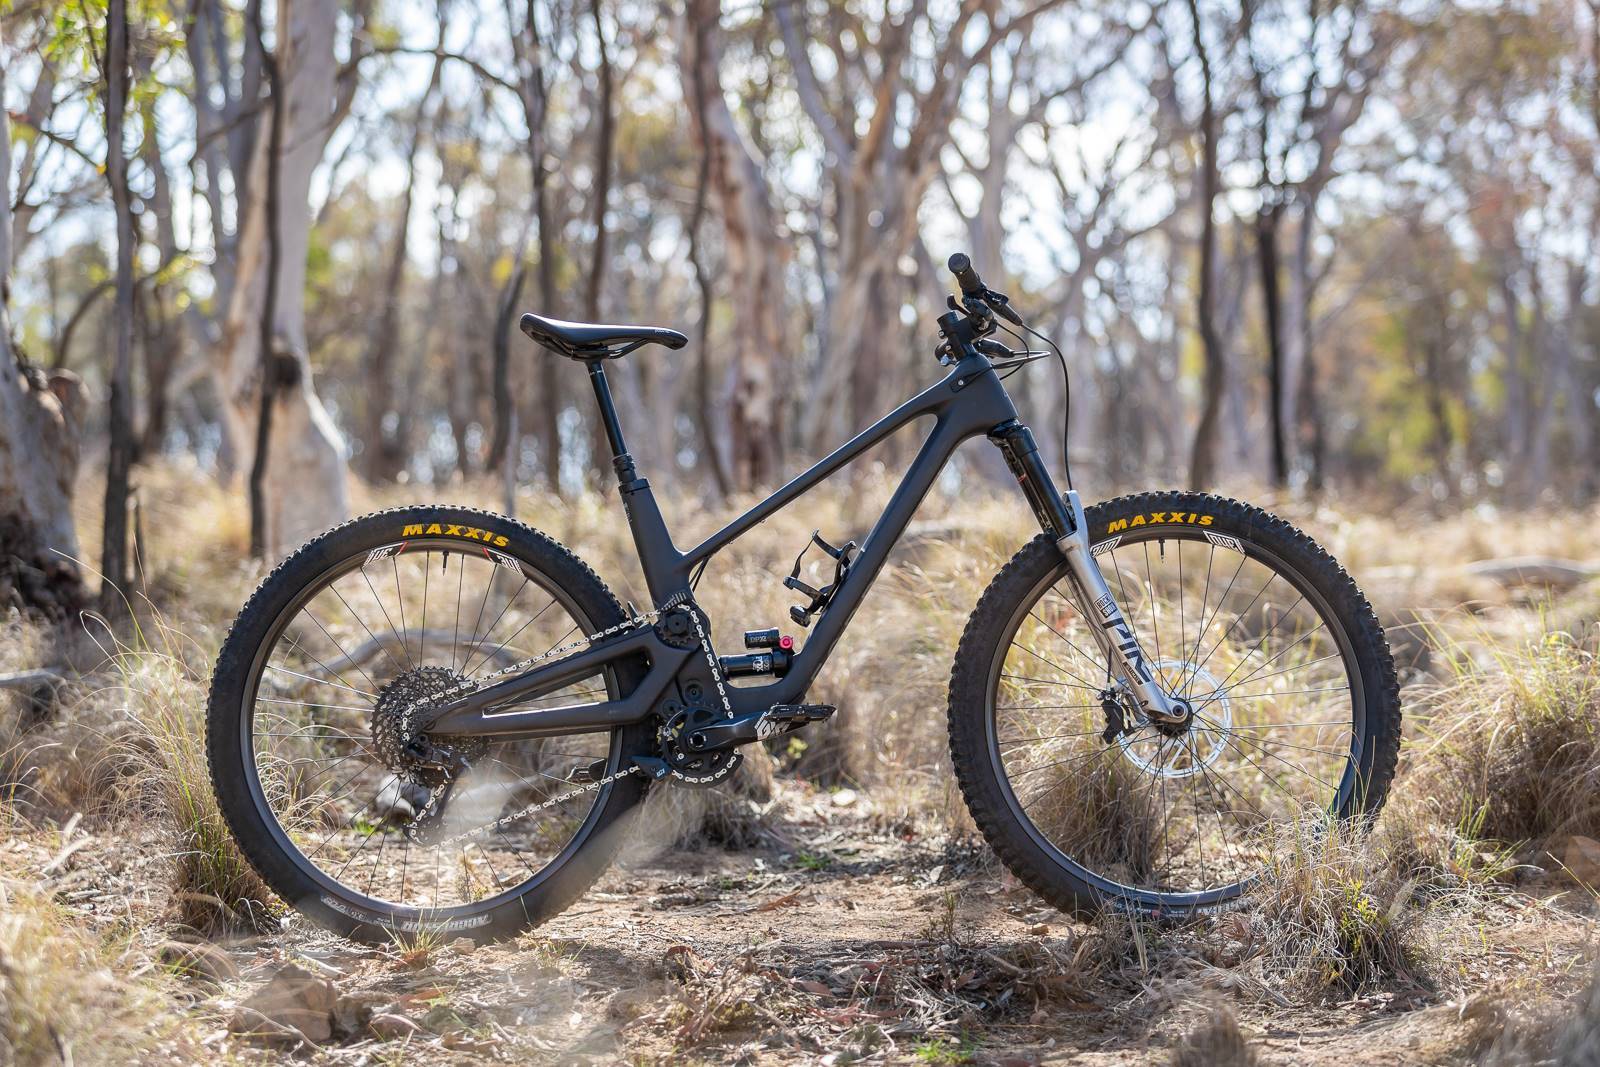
(969, 401)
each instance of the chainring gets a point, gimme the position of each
(392, 734)
(700, 769)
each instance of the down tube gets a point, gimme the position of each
(947, 435)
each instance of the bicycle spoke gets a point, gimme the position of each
(1049, 681)
(504, 608)
(320, 681)
(1048, 737)
(328, 781)
(398, 636)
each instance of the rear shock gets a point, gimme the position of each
(775, 651)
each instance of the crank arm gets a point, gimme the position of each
(757, 726)
(1116, 638)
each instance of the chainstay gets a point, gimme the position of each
(473, 685)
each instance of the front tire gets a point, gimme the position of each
(307, 770)
(1165, 822)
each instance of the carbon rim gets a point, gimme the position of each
(481, 873)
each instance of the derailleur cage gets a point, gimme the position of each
(820, 598)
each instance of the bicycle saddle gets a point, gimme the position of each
(584, 340)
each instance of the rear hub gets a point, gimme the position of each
(405, 751)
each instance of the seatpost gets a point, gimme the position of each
(608, 408)
(626, 475)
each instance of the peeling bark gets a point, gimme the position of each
(305, 463)
(753, 247)
(40, 417)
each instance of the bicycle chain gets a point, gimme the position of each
(532, 809)
(473, 685)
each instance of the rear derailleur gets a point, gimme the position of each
(439, 768)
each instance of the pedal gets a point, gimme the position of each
(652, 767)
(592, 773)
(794, 716)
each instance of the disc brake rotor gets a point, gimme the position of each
(1205, 738)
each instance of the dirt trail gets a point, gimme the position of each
(838, 941)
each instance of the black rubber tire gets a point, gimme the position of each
(988, 634)
(318, 898)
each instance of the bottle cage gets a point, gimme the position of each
(820, 598)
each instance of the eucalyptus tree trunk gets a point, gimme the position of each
(304, 481)
(530, 51)
(1203, 455)
(119, 459)
(39, 425)
(751, 244)
(387, 448)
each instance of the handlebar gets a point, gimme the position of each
(971, 285)
(977, 294)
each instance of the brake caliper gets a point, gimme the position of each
(1116, 722)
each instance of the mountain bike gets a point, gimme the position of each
(438, 719)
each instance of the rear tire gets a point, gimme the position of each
(464, 535)
(1079, 877)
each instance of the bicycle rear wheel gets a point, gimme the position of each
(1295, 696)
(310, 748)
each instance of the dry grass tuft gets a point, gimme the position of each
(162, 769)
(1105, 815)
(712, 1000)
(1337, 912)
(63, 997)
(1216, 1042)
(1506, 1037)
(1516, 743)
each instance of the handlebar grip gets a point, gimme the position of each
(966, 277)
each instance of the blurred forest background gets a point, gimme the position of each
(1333, 247)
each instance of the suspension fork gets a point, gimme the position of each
(1062, 517)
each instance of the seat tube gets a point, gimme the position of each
(664, 572)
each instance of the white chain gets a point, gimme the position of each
(532, 809)
(712, 665)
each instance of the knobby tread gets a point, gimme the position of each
(987, 627)
(547, 895)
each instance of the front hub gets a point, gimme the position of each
(1191, 746)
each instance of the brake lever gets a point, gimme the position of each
(1000, 304)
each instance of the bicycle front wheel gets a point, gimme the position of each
(1296, 707)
